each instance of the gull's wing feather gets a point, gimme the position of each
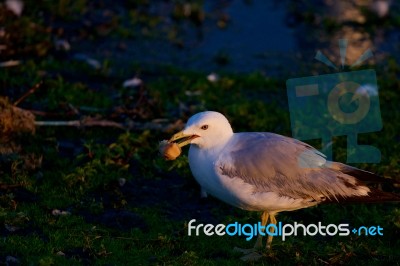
(286, 166)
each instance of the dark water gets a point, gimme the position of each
(274, 37)
(256, 34)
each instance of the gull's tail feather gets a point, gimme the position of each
(374, 182)
(362, 175)
(374, 196)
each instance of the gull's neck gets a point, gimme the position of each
(222, 142)
(215, 147)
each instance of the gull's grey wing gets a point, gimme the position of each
(286, 166)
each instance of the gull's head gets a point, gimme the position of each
(206, 130)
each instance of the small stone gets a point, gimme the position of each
(135, 82)
(11, 259)
(121, 182)
(57, 212)
(11, 228)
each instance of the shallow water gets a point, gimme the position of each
(273, 37)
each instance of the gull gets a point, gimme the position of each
(267, 172)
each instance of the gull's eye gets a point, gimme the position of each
(204, 127)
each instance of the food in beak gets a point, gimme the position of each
(169, 150)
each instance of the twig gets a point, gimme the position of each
(74, 123)
(42, 113)
(156, 124)
(80, 123)
(29, 92)
(48, 114)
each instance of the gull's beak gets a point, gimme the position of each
(182, 139)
